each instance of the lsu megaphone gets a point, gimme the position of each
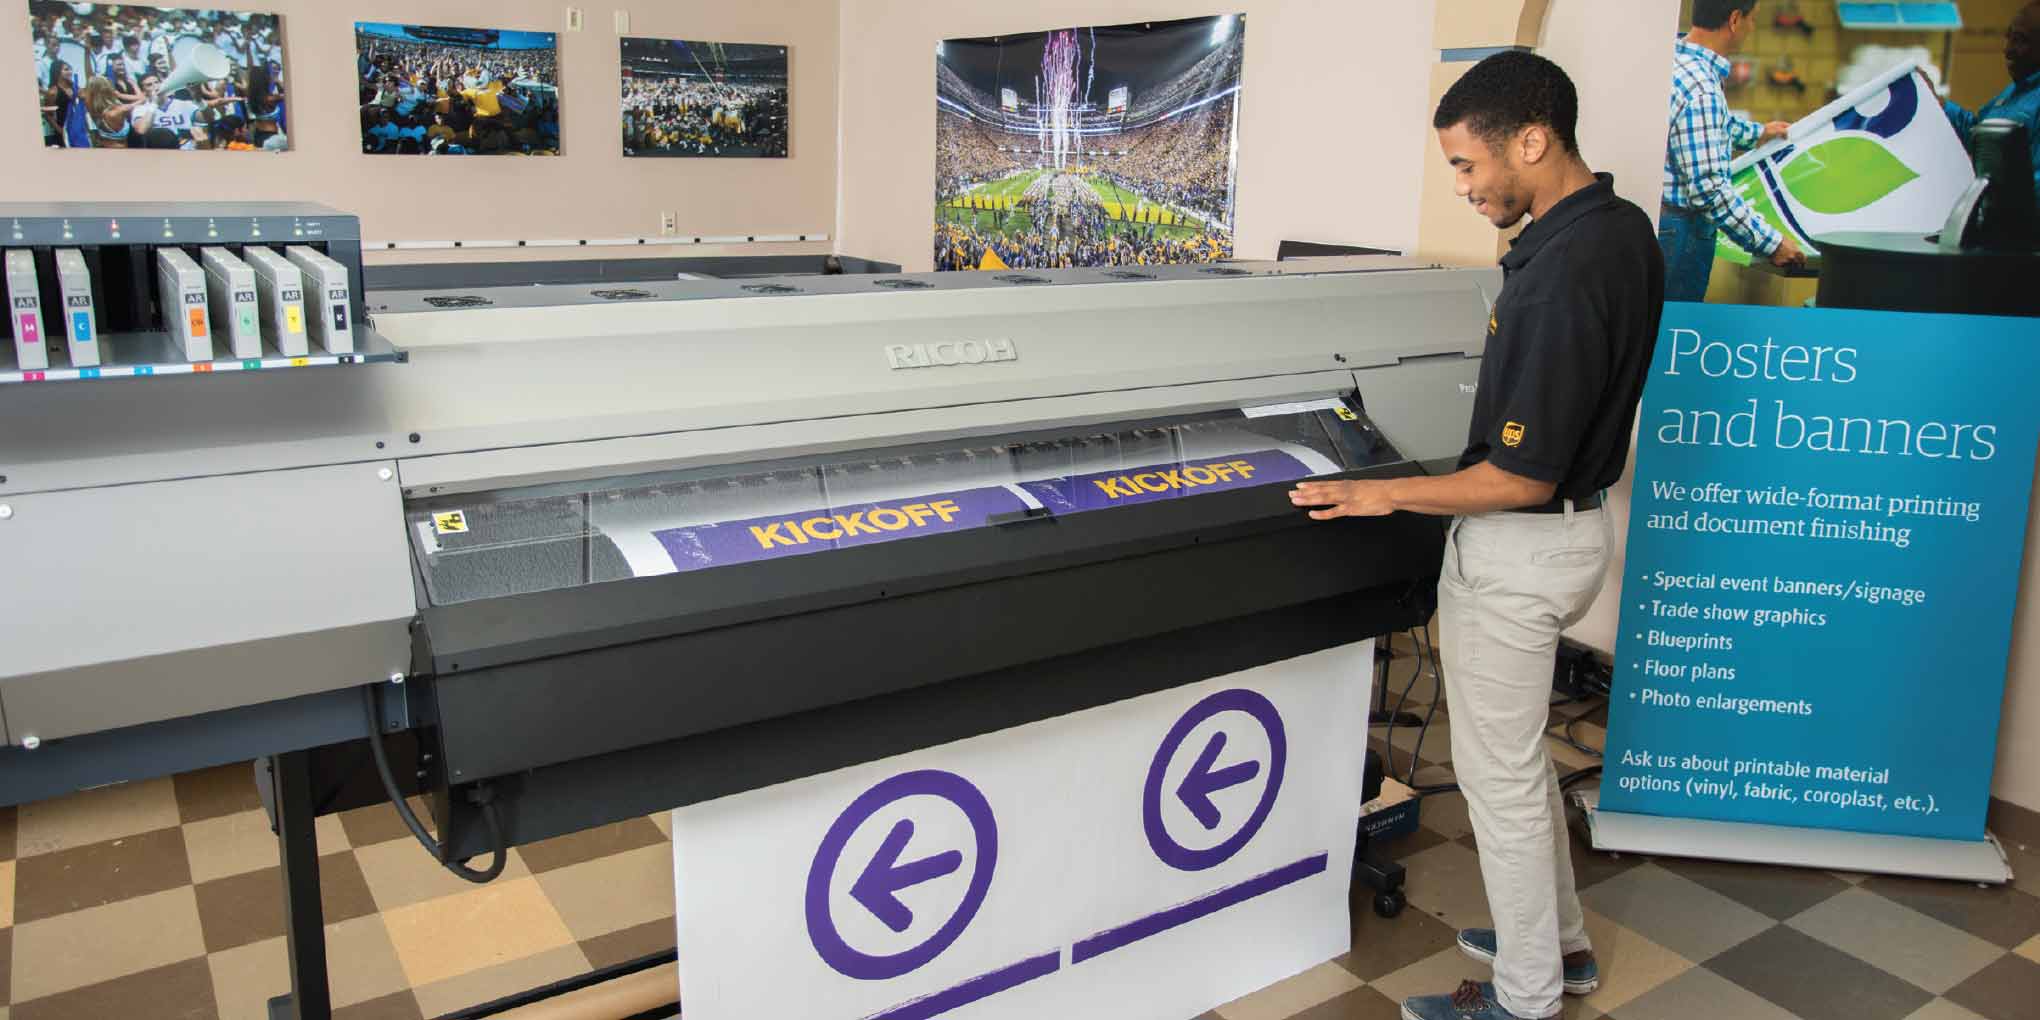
(201, 63)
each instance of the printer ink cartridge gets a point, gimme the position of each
(180, 289)
(24, 314)
(230, 295)
(81, 320)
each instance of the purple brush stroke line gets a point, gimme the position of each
(1183, 913)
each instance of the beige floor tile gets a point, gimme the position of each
(229, 845)
(1942, 1009)
(95, 816)
(361, 966)
(613, 893)
(1437, 974)
(490, 983)
(1437, 741)
(1285, 999)
(332, 835)
(6, 893)
(246, 977)
(508, 919)
(1898, 940)
(1444, 814)
(1445, 883)
(1699, 993)
(2031, 950)
(73, 950)
(401, 873)
(362, 962)
(1630, 964)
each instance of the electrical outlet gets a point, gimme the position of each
(669, 224)
(622, 22)
(573, 19)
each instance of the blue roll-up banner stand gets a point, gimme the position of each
(1826, 529)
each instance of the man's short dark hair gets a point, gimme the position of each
(1510, 91)
(1714, 13)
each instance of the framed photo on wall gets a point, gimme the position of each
(686, 98)
(428, 90)
(1108, 146)
(121, 76)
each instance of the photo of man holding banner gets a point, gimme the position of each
(1700, 199)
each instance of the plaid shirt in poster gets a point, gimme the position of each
(1704, 137)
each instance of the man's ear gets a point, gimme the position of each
(1532, 143)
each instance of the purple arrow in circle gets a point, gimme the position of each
(879, 885)
(1203, 781)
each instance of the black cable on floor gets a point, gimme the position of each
(482, 796)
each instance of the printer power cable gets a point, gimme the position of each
(482, 796)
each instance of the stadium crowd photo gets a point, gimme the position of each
(457, 91)
(704, 99)
(118, 76)
(1040, 164)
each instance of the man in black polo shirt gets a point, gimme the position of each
(1568, 346)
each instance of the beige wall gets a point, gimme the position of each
(590, 190)
(1332, 124)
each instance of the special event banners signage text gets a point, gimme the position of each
(1824, 551)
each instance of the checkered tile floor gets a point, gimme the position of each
(162, 899)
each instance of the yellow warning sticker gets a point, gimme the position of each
(294, 318)
(1345, 413)
(450, 522)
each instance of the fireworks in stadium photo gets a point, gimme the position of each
(1110, 146)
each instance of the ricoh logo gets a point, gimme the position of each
(949, 352)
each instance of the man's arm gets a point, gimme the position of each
(1479, 489)
(1745, 134)
(1700, 155)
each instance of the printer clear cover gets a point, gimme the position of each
(539, 538)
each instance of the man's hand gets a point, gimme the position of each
(1344, 499)
(1788, 254)
(1775, 129)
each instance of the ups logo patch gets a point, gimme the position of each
(1512, 434)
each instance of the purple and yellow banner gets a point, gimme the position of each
(699, 546)
(763, 538)
(1165, 481)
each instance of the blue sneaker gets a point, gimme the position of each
(1580, 978)
(1475, 1000)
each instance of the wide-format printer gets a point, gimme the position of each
(581, 552)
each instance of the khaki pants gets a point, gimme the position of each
(1510, 583)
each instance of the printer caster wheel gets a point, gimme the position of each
(1390, 903)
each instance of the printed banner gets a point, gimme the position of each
(1165, 481)
(763, 538)
(1217, 824)
(1883, 157)
(1824, 553)
(694, 547)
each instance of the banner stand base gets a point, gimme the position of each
(1981, 861)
